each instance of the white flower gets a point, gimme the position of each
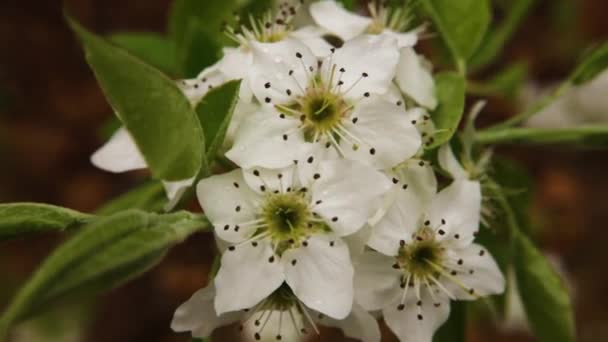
(288, 228)
(425, 257)
(413, 72)
(236, 62)
(121, 154)
(280, 316)
(335, 108)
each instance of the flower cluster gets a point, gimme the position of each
(335, 211)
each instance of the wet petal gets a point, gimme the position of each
(267, 139)
(198, 315)
(384, 136)
(334, 198)
(337, 20)
(229, 204)
(321, 275)
(119, 154)
(312, 37)
(477, 274)
(418, 323)
(364, 64)
(280, 71)
(266, 181)
(247, 276)
(456, 212)
(377, 283)
(415, 80)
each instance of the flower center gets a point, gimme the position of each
(286, 214)
(421, 257)
(385, 17)
(269, 28)
(322, 111)
(287, 219)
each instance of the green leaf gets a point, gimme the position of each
(495, 40)
(151, 106)
(99, 233)
(451, 97)
(105, 254)
(462, 25)
(545, 298)
(348, 4)
(211, 13)
(454, 330)
(198, 49)
(256, 7)
(591, 66)
(506, 83)
(17, 219)
(215, 113)
(149, 197)
(517, 184)
(151, 48)
(582, 136)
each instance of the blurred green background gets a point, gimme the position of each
(52, 114)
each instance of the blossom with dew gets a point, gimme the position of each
(333, 106)
(280, 316)
(423, 257)
(272, 27)
(413, 74)
(286, 226)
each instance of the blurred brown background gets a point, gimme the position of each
(51, 112)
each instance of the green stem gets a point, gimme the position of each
(535, 109)
(596, 135)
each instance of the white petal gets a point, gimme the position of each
(247, 276)
(198, 314)
(374, 56)
(414, 186)
(347, 191)
(322, 277)
(260, 141)
(449, 163)
(280, 70)
(265, 181)
(359, 325)
(415, 80)
(228, 202)
(195, 89)
(308, 162)
(387, 137)
(119, 154)
(312, 37)
(242, 111)
(404, 39)
(236, 63)
(377, 283)
(175, 189)
(337, 20)
(406, 323)
(357, 242)
(459, 205)
(478, 272)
